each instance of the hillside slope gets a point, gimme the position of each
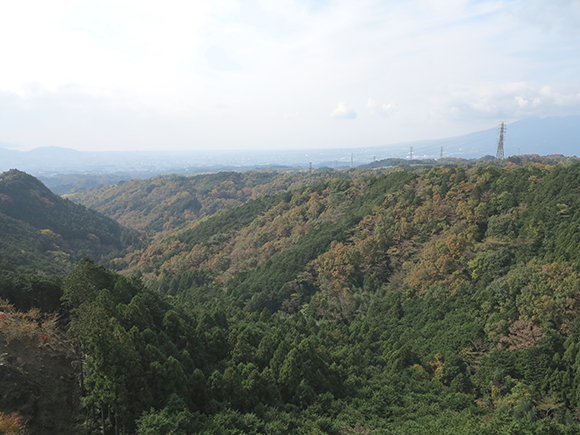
(267, 242)
(163, 203)
(439, 301)
(43, 231)
(39, 385)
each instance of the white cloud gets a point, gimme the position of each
(381, 109)
(157, 65)
(562, 16)
(343, 111)
(509, 100)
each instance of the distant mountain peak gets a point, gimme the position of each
(52, 150)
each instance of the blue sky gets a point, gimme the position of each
(227, 74)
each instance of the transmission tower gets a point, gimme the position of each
(411, 154)
(441, 153)
(502, 129)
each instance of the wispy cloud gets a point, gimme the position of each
(381, 109)
(433, 68)
(561, 16)
(343, 111)
(508, 101)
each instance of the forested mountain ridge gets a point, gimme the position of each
(163, 203)
(43, 231)
(440, 301)
(256, 245)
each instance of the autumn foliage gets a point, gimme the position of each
(12, 424)
(441, 300)
(31, 326)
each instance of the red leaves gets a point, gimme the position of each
(523, 335)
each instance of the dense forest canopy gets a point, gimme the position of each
(44, 232)
(164, 203)
(436, 300)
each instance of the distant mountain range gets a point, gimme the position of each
(545, 136)
(528, 136)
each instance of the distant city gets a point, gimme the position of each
(528, 136)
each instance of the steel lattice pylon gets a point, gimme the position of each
(502, 129)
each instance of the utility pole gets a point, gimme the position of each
(502, 129)
(411, 154)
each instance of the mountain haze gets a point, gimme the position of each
(528, 136)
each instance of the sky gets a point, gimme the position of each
(283, 74)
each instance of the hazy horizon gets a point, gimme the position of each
(290, 75)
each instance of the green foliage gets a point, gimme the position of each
(28, 291)
(439, 301)
(43, 232)
(167, 202)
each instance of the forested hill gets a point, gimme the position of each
(438, 301)
(42, 231)
(342, 239)
(164, 203)
(442, 301)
